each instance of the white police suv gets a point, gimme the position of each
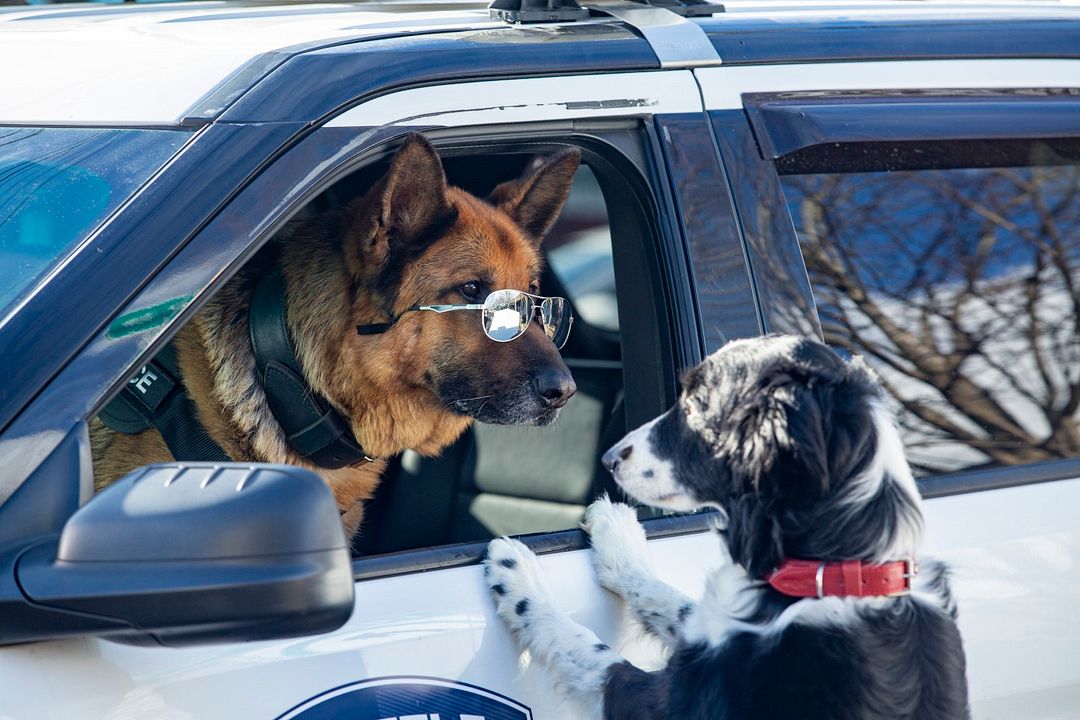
(901, 179)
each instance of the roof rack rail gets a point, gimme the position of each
(686, 8)
(534, 11)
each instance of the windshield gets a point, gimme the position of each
(57, 185)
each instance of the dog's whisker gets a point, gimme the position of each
(469, 399)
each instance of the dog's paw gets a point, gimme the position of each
(618, 541)
(513, 576)
(572, 655)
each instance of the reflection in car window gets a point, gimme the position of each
(58, 184)
(960, 286)
(579, 251)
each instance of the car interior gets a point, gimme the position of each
(500, 480)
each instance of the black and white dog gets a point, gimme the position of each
(812, 614)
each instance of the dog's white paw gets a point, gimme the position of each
(620, 554)
(575, 659)
(513, 576)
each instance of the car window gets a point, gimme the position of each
(499, 480)
(58, 184)
(954, 270)
(579, 253)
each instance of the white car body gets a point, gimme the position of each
(1014, 551)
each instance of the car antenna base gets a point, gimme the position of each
(537, 11)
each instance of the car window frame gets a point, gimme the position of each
(200, 265)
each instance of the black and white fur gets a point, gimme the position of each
(797, 450)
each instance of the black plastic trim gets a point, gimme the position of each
(41, 505)
(725, 298)
(310, 86)
(788, 122)
(537, 11)
(998, 478)
(776, 263)
(672, 341)
(463, 554)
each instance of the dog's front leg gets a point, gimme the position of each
(574, 657)
(621, 561)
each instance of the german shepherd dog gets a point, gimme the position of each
(410, 239)
(812, 611)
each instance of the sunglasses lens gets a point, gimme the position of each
(557, 318)
(506, 314)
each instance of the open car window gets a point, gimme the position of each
(519, 479)
(579, 252)
(499, 480)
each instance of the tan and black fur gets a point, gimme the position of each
(411, 239)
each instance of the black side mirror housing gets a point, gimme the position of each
(187, 553)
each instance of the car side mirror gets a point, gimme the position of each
(187, 553)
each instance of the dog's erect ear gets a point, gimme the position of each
(536, 200)
(782, 434)
(808, 427)
(404, 205)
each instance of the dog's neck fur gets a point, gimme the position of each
(233, 405)
(874, 516)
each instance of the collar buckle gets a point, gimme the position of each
(911, 569)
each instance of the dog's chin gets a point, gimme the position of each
(540, 417)
(645, 491)
(521, 412)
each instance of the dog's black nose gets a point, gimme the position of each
(554, 386)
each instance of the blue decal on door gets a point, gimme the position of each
(408, 698)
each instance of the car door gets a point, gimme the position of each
(924, 215)
(423, 640)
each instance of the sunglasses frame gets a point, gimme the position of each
(537, 302)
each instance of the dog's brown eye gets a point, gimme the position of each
(471, 290)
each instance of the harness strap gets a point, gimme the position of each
(157, 398)
(314, 429)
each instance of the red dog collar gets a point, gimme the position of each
(847, 578)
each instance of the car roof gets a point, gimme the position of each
(137, 64)
(171, 63)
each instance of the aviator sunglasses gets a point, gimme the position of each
(505, 316)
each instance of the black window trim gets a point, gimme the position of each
(776, 266)
(962, 483)
(443, 557)
(665, 257)
(465, 554)
(785, 123)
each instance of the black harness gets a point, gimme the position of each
(315, 430)
(157, 398)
